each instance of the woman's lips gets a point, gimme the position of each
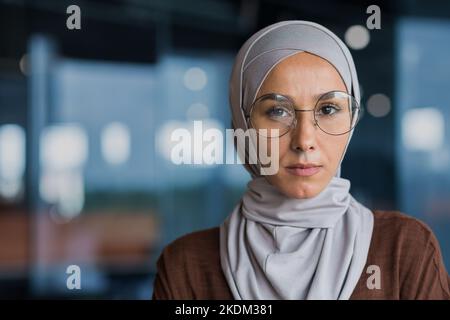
(303, 172)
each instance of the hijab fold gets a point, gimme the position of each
(273, 246)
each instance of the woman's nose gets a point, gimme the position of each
(303, 135)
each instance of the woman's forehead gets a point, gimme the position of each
(304, 74)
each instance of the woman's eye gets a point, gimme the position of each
(277, 112)
(328, 110)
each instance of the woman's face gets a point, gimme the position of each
(304, 77)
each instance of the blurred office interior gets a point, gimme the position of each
(86, 117)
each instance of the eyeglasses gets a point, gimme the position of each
(335, 113)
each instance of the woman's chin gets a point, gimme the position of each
(296, 186)
(300, 189)
(304, 193)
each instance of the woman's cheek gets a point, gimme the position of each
(270, 151)
(333, 153)
(282, 152)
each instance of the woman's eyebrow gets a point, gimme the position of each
(316, 96)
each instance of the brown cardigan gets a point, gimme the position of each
(405, 250)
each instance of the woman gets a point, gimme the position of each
(299, 234)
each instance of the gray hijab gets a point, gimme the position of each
(273, 246)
